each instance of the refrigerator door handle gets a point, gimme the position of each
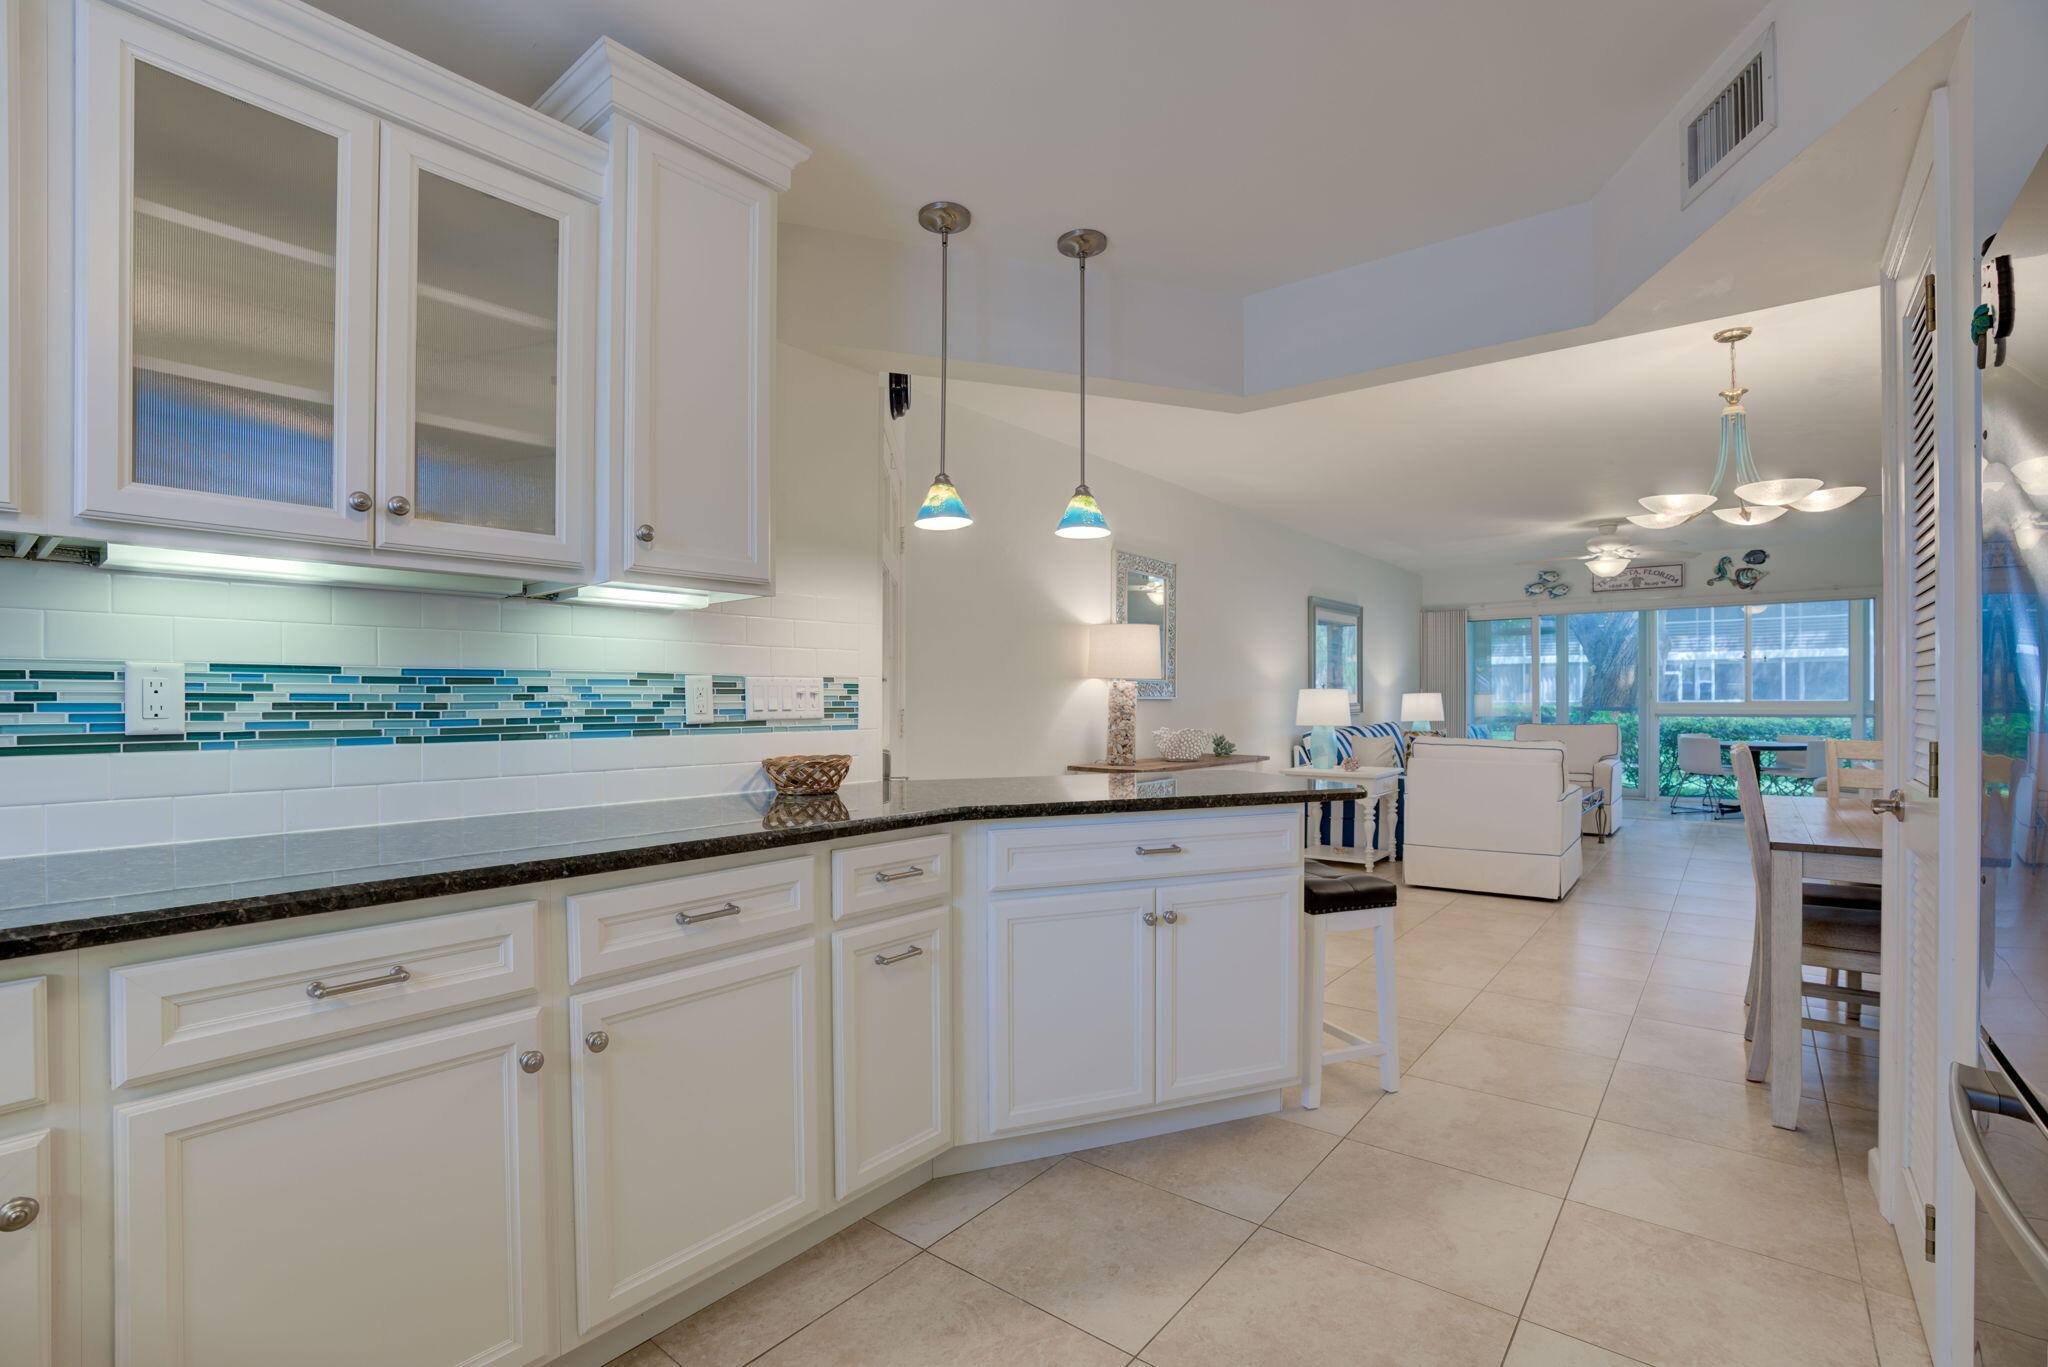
(1977, 1089)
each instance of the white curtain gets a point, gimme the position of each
(1443, 663)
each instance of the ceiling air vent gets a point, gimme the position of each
(1744, 108)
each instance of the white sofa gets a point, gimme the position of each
(1592, 756)
(1498, 816)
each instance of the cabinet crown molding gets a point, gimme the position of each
(610, 80)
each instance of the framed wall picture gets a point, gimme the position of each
(1336, 647)
(1670, 576)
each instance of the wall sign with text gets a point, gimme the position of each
(1642, 577)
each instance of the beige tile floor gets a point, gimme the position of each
(1573, 1174)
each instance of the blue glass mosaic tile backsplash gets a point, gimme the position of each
(49, 707)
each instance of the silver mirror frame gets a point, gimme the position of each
(1126, 562)
(1324, 609)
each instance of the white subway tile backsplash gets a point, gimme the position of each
(495, 650)
(375, 608)
(534, 757)
(459, 614)
(105, 636)
(770, 631)
(468, 759)
(398, 802)
(21, 831)
(107, 825)
(376, 764)
(492, 796)
(323, 809)
(74, 588)
(308, 766)
(220, 640)
(318, 643)
(55, 778)
(410, 647)
(21, 631)
(169, 773)
(533, 617)
(567, 790)
(224, 816)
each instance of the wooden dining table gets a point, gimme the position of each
(1811, 837)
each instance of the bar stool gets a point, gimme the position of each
(1337, 899)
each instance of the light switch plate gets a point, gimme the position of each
(783, 697)
(153, 699)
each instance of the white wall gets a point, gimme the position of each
(825, 619)
(1809, 554)
(994, 612)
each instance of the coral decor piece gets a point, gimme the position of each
(1187, 743)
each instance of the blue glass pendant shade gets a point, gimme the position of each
(1083, 517)
(943, 510)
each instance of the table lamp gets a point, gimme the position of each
(1422, 707)
(1322, 710)
(1122, 652)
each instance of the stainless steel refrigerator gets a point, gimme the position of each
(2000, 1107)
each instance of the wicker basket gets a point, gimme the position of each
(793, 813)
(807, 775)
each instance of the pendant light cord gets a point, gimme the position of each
(945, 311)
(1083, 276)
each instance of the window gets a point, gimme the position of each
(1601, 678)
(1499, 657)
(1699, 654)
(1799, 652)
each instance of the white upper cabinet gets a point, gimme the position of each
(10, 203)
(487, 357)
(690, 281)
(227, 251)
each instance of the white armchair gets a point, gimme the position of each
(1499, 816)
(1592, 757)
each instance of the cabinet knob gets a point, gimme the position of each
(1150, 918)
(19, 1213)
(399, 505)
(643, 532)
(1170, 917)
(597, 1041)
(359, 502)
(531, 1060)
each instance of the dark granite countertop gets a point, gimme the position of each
(70, 901)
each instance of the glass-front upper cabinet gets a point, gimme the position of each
(486, 359)
(227, 239)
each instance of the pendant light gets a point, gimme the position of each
(1760, 500)
(943, 510)
(1083, 518)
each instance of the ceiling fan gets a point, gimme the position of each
(1610, 553)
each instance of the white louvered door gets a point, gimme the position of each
(1929, 1009)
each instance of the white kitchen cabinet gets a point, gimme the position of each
(486, 359)
(28, 1291)
(382, 1205)
(1229, 983)
(227, 266)
(892, 1058)
(1070, 1006)
(690, 279)
(695, 1115)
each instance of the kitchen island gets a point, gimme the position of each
(548, 1083)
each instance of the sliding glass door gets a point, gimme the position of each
(1735, 671)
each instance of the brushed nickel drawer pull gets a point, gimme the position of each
(910, 953)
(1160, 849)
(912, 872)
(394, 974)
(683, 918)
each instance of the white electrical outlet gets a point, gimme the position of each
(153, 699)
(697, 710)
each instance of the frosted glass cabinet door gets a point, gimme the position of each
(227, 267)
(487, 344)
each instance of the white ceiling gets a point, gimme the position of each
(1222, 145)
(1511, 460)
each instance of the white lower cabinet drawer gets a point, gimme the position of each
(897, 875)
(1056, 855)
(653, 923)
(385, 1205)
(173, 1015)
(695, 1101)
(891, 1046)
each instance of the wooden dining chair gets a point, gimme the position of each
(1864, 774)
(1841, 930)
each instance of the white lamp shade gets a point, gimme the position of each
(1123, 650)
(1681, 505)
(1322, 707)
(1657, 522)
(1776, 493)
(1607, 566)
(1748, 516)
(1422, 707)
(1827, 500)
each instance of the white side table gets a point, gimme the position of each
(1382, 786)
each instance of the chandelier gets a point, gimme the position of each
(1758, 500)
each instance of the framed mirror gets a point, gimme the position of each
(1336, 648)
(1145, 591)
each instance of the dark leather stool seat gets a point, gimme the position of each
(1332, 887)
